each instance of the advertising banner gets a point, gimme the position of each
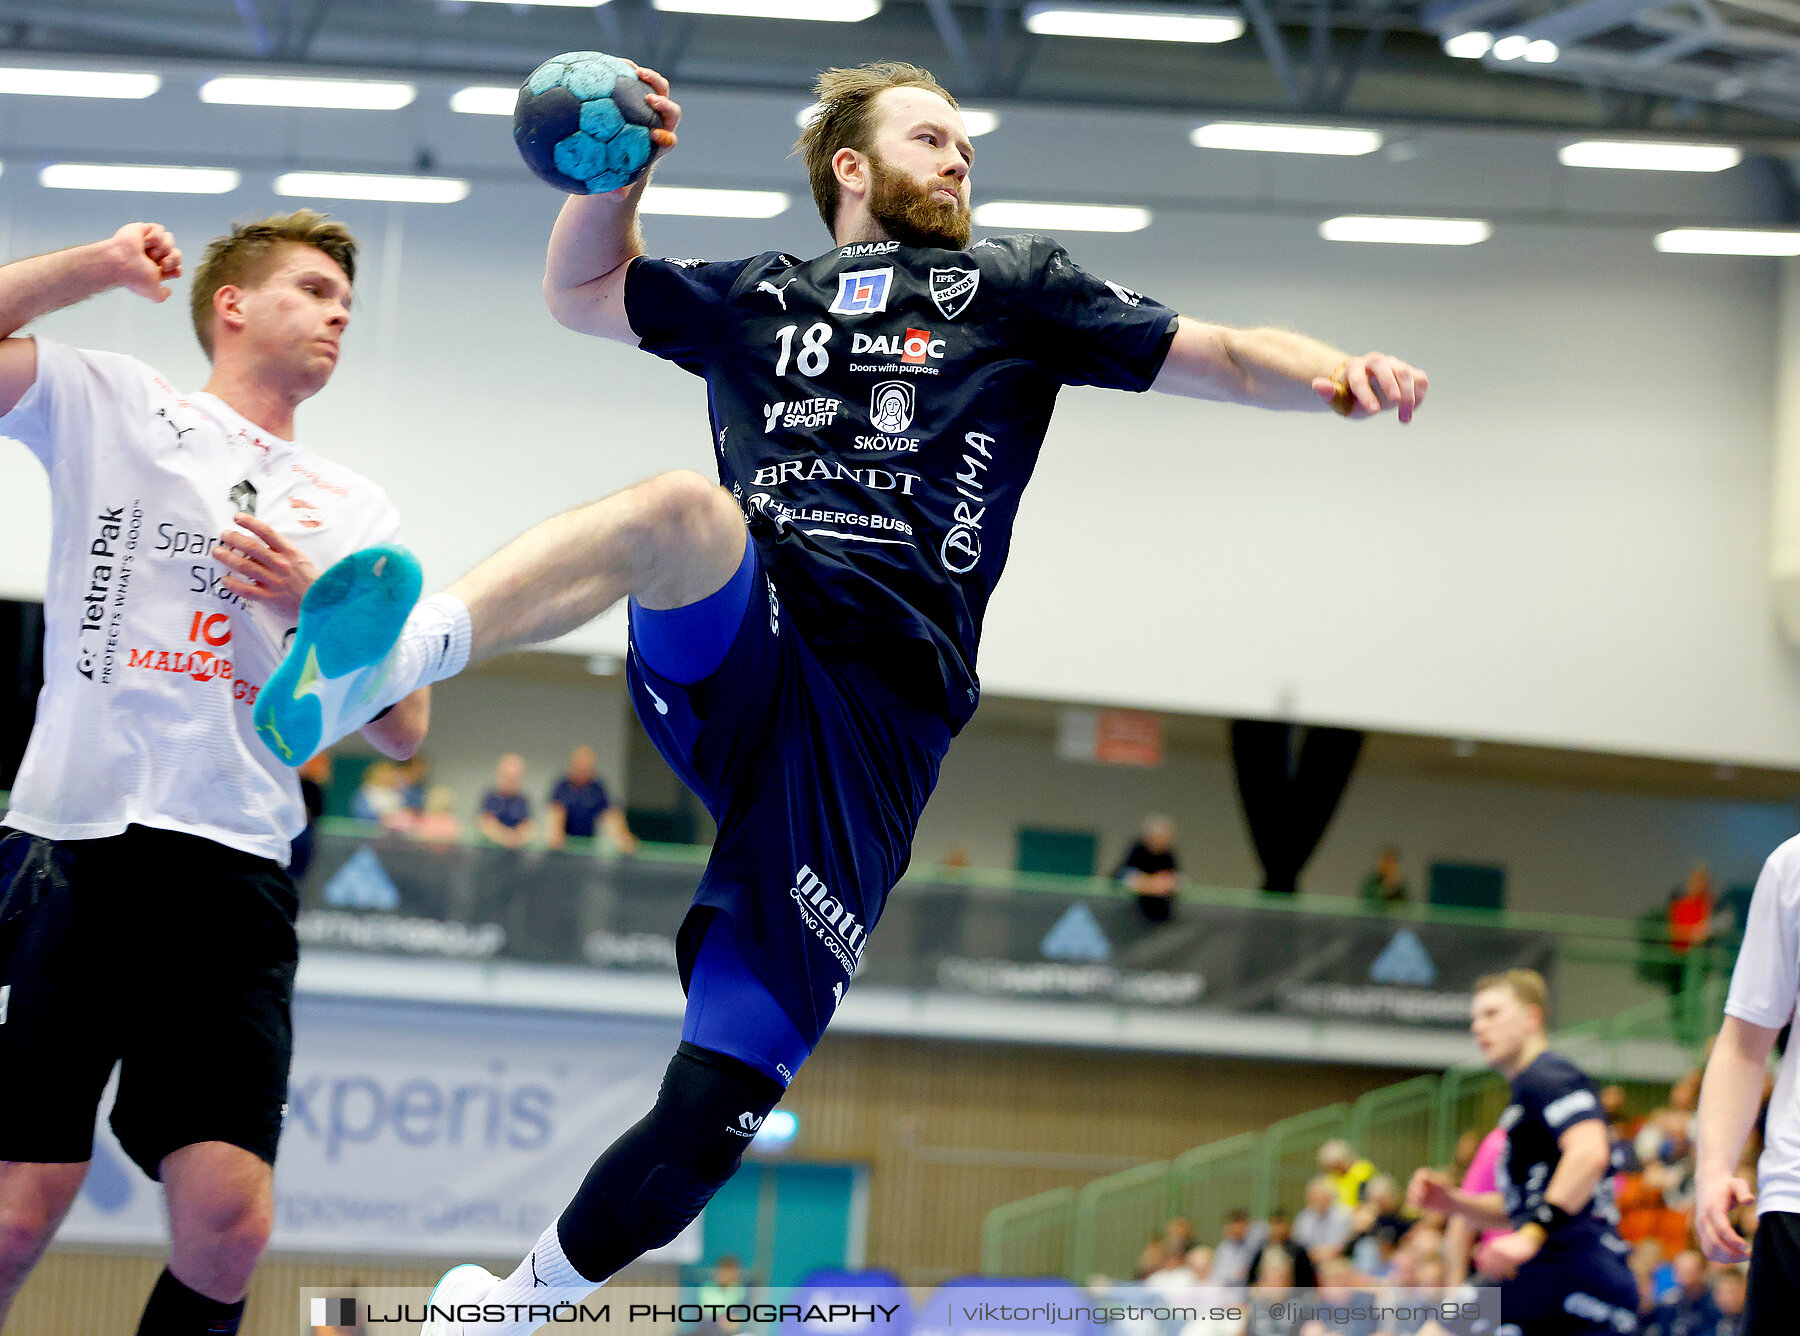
(396, 896)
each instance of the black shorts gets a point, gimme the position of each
(816, 773)
(167, 953)
(1774, 1295)
(1583, 1288)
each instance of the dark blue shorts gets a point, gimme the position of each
(815, 772)
(1580, 1290)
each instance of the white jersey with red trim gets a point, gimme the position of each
(151, 664)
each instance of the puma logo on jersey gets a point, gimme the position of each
(662, 706)
(778, 293)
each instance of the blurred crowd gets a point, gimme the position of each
(1354, 1237)
(401, 797)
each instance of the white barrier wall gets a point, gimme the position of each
(1569, 547)
(436, 1132)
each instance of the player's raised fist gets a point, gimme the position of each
(146, 255)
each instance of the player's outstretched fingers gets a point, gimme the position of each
(1385, 374)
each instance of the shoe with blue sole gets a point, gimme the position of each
(465, 1284)
(350, 621)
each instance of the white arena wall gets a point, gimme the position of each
(1568, 547)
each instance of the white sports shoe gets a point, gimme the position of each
(465, 1284)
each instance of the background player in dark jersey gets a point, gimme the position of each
(1562, 1267)
(804, 636)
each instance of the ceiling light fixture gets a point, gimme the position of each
(1134, 23)
(342, 94)
(373, 186)
(1259, 138)
(1406, 231)
(1061, 217)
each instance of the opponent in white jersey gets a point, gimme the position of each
(146, 917)
(1765, 989)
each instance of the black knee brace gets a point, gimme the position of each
(653, 1181)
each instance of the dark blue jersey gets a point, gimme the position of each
(1548, 1098)
(877, 413)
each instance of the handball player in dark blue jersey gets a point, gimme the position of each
(803, 630)
(1561, 1264)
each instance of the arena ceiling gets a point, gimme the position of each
(1694, 67)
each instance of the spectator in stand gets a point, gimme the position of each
(580, 806)
(1151, 871)
(726, 1288)
(1235, 1256)
(1384, 887)
(1275, 1278)
(1175, 1276)
(505, 811)
(1730, 1285)
(1153, 1259)
(1323, 1228)
(1691, 910)
(1377, 1226)
(1314, 1239)
(1178, 1238)
(1349, 1172)
(1281, 1240)
(315, 776)
(379, 797)
(415, 776)
(1647, 1259)
(1688, 1309)
(438, 823)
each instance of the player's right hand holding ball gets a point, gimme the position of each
(591, 124)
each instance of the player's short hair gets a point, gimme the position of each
(1527, 986)
(242, 258)
(845, 119)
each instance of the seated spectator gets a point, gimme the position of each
(580, 806)
(505, 811)
(1175, 1277)
(1384, 887)
(1377, 1226)
(1646, 1260)
(1150, 870)
(1178, 1237)
(438, 823)
(1235, 1256)
(1279, 1239)
(1323, 1227)
(1153, 1259)
(1349, 1172)
(1730, 1285)
(1272, 1282)
(1688, 1309)
(379, 797)
(414, 776)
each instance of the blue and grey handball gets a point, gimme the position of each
(583, 123)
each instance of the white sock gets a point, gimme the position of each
(545, 1276)
(433, 645)
(436, 640)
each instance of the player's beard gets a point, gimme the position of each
(912, 214)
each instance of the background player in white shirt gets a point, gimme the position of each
(146, 916)
(1765, 986)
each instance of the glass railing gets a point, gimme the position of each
(1003, 935)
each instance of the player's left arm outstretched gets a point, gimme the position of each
(1276, 368)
